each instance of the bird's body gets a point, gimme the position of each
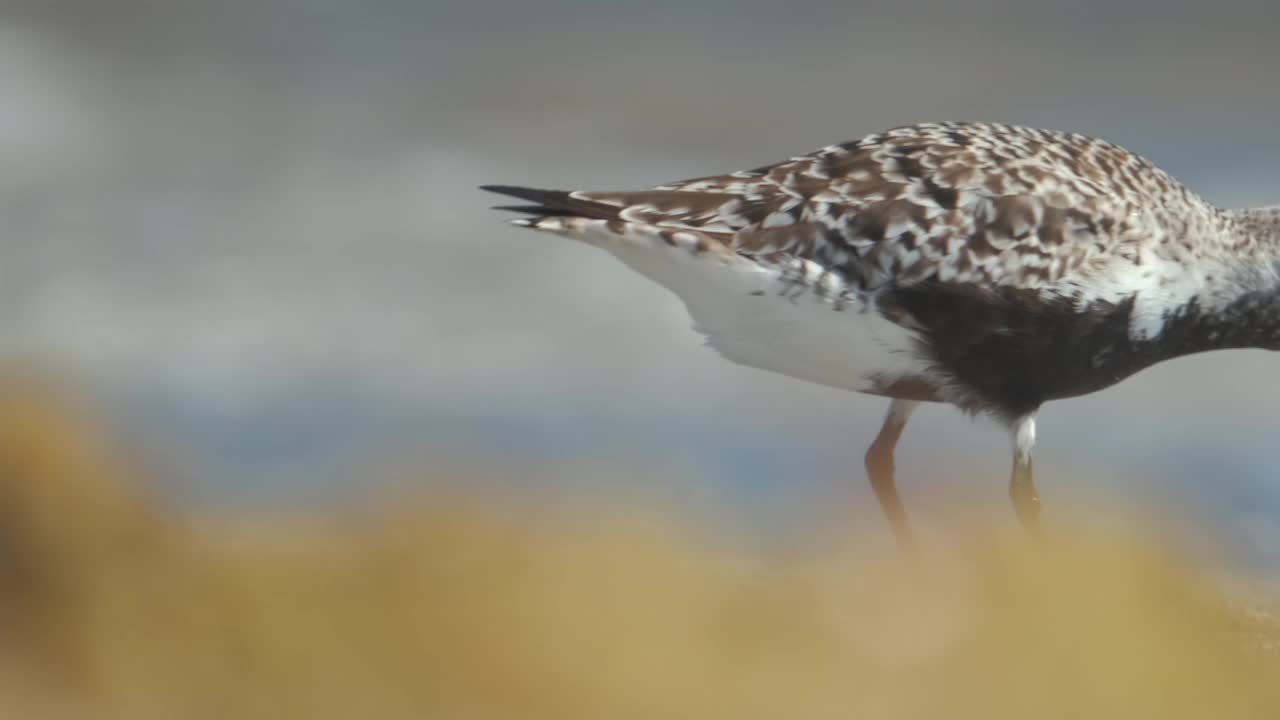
(992, 267)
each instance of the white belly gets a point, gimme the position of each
(807, 339)
(788, 318)
(754, 316)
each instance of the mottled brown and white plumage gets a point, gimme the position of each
(993, 267)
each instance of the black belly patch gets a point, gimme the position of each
(1010, 350)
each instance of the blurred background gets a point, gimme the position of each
(252, 229)
(248, 234)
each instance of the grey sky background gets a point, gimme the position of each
(252, 228)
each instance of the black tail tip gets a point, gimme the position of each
(501, 189)
(538, 210)
(550, 198)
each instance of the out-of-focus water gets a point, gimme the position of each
(253, 228)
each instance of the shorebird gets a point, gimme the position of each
(992, 267)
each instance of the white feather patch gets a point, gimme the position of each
(793, 318)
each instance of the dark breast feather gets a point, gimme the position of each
(1010, 350)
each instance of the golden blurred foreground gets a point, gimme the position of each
(112, 607)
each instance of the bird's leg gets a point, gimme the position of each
(1022, 488)
(879, 461)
